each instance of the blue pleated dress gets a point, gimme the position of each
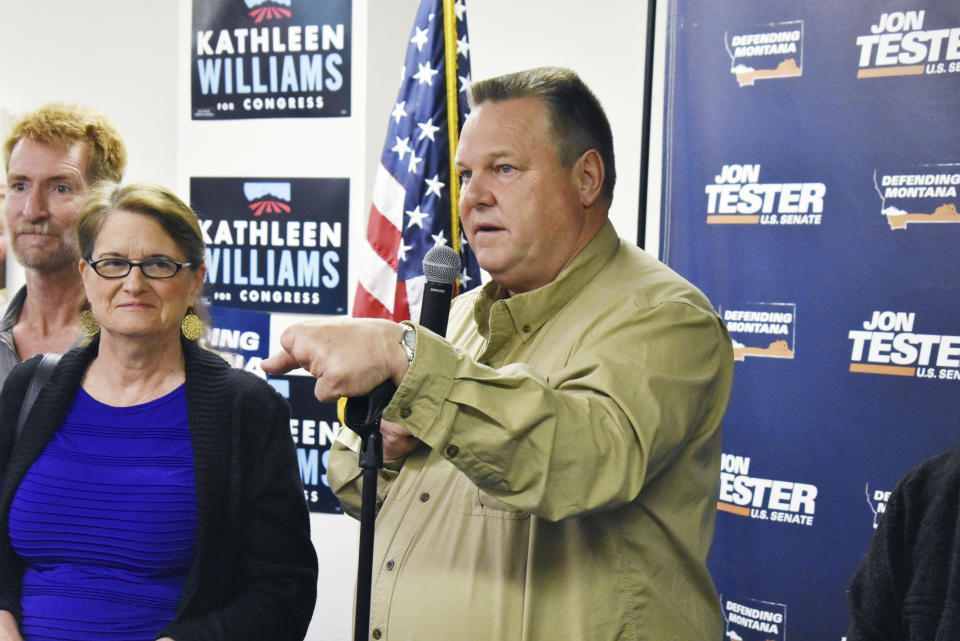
(105, 521)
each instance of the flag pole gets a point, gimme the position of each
(453, 113)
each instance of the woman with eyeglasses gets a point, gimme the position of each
(154, 491)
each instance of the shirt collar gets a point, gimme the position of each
(10, 318)
(530, 310)
(12, 315)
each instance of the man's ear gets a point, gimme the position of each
(589, 172)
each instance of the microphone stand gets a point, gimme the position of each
(362, 414)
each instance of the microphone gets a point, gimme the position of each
(441, 267)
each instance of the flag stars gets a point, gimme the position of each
(402, 251)
(434, 186)
(420, 38)
(414, 161)
(425, 74)
(398, 111)
(427, 129)
(423, 152)
(401, 148)
(416, 217)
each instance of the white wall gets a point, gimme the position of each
(601, 41)
(130, 59)
(603, 44)
(116, 56)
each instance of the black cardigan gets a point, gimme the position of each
(254, 571)
(908, 586)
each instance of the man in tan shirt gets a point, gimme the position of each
(553, 463)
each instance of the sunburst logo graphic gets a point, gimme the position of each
(267, 198)
(261, 10)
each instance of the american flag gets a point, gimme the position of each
(411, 210)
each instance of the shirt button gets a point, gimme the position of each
(451, 451)
(405, 412)
(424, 497)
(390, 565)
(376, 634)
(526, 329)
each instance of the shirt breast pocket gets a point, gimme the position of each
(472, 501)
(495, 508)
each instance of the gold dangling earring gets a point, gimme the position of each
(191, 326)
(89, 325)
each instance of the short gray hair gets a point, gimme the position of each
(577, 120)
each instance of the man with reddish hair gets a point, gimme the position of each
(53, 156)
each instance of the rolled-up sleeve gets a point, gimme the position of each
(628, 393)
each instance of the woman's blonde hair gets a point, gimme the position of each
(172, 214)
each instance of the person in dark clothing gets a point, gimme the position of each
(154, 491)
(908, 586)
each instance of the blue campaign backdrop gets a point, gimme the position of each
(810, 190)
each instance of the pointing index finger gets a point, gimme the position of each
(279, 363)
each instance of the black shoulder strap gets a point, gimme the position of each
(40, 377)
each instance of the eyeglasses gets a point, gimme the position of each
(151, 268)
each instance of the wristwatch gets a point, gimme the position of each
(408, 340)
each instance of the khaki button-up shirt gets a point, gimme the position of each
(566, 485)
